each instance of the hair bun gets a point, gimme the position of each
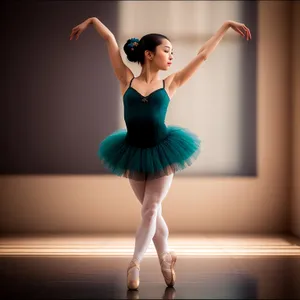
(130, 47)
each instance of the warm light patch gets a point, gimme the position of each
(207, 245)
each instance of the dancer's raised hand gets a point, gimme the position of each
(77, 30)
(241, 28)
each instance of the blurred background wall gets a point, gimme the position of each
(61, 98)
(295, 121)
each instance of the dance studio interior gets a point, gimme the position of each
(68, 224)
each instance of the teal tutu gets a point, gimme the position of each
(175, 152)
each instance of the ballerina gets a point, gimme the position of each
(148, 152)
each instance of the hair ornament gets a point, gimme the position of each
(133, 43)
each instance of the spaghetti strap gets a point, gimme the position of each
(163, 83)
(131, 81)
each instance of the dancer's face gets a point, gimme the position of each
(164, 55)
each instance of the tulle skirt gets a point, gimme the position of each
(178, 150)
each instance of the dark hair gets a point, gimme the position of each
(147, 42)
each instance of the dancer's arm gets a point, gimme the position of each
(180, 77)
(122, 72)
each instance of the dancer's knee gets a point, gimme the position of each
(159, 210)
(149, 214)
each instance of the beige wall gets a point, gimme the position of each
(259, 204)
(295, 212)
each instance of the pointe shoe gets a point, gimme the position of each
(133, 283)
(167, 262)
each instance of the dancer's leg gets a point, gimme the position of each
(138, 188)
(160, 239)
(155, 191)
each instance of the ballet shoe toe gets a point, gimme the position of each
(167, 262)
(133, 281)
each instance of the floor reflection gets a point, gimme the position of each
(105, 278)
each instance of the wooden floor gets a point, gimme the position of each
(94, 267)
